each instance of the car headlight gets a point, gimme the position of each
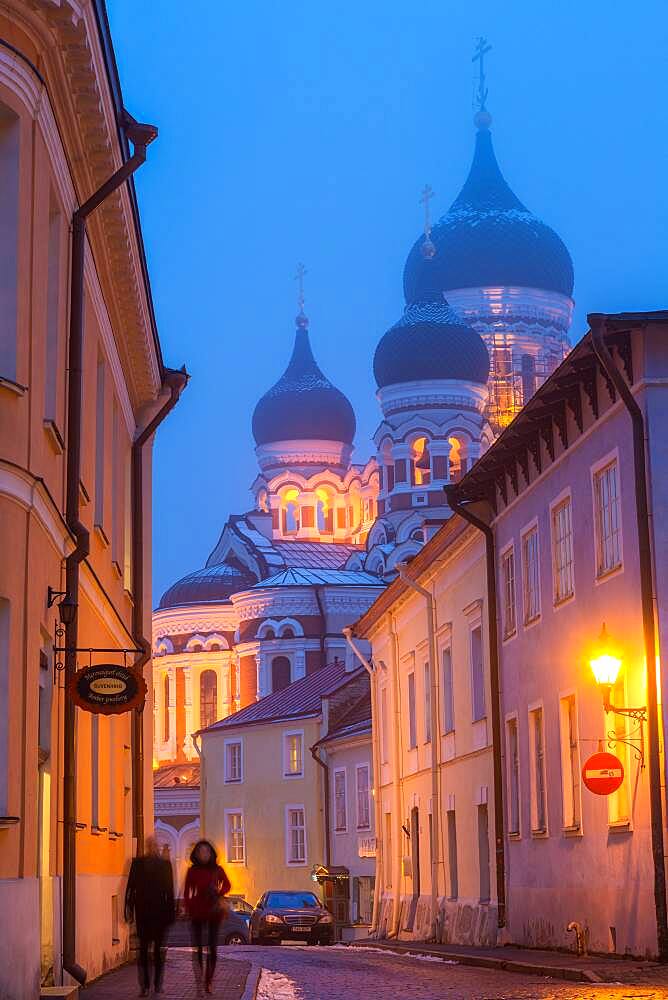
(271, 918)
(326, 918)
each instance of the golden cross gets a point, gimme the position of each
(299, 277)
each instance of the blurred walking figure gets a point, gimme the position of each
(203, 897)
(149, 899)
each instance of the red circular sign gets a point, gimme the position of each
(603, 773)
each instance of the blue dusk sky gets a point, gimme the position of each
(306, 131)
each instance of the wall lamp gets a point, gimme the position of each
(605, 665)
(67, 608)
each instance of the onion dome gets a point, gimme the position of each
(210, 585)
(429, 342)
(488, 238)
(303, 405)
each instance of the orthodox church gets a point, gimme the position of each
(488, 292)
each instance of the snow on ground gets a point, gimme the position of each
(398, 954)
(275, 986)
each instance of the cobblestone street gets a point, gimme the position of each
(295, 973)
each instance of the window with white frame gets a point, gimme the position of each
(427, 703)
(448, 692)
(570, 763)
(340, 801)
(607, 519)
(412, 727)
(293, 755)
(295, 835)
(562, 550)
(531, 575)
(513, 777)
(384, 726)
(619, 809)
(363, 803)
(538, 793)
(508, 585)
(477, 674)
(235, 843)
(233, 762)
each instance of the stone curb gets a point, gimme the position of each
(252, 982)
(485, 962)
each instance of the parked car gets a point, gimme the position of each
(291, 916)
(235, 928)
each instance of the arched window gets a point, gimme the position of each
(456, 465)
(214, 647)
(325, 511)
(269, 634)
(288, 633)
(290, 511)
(280, 673)
(421, 462)
(165, 708)
(263, 501)
(208, 692)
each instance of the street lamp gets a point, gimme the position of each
(605, 666)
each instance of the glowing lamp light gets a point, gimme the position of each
(606, 668)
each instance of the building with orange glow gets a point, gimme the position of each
(75, 492)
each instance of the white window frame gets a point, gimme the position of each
(565, 499)
(474, 625)
(571, 765)
(426, 700)
(295, 864)
(411, 710)
(287, 774)
(536, 830)
(363, 767)
(385, 724)
(506, 552)
(338, 772)
(448, 702)
(514, 768)
(231, 741)
(230, 859)
(612, 458)
(530, 619)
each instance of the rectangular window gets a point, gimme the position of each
(235, 845)
(340, 802)
(452, 854)
(293, 755)
(562, 551)
(385, 726)
(477, 674)
(388, 850)
(100, 454)
(53, 298)
(115, 933)
(570, 763)
(619, 802)
(233, 762)
(296, 835)
(607, 520)
(448, 692)
(9, 229)
(427, 703)
(483, 853)
(412, 727)
(4, 704)
(513, 778)
(538, 800)
(117, 491)
(531, 577)
(127, 523)
(508, 586)
(363, 804)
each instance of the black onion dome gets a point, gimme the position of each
(488, 238)
(430, 341)
(303, 405)
(210, 585)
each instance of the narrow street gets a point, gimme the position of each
(299, 973)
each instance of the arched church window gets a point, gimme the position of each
(269, 634)
(263, 501)
(288, 633)
(214, 647)
(208, 693)
(290, 511)
(456, 461)
(197, 648)
(165, 708)
(280, 673)
(325, 511)
(421, 462)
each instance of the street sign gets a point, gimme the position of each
(366, 847)
(107, 689)
(603, 773)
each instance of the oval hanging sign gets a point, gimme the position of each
(603, 773)
(107, 689)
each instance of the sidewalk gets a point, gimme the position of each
(179, 982)
(559, 965)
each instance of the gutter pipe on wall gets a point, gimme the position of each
(397, 873)
(375, 758)
(597, 323)
(140, 136)
(435, 739)
(492, 628)
(325, 767)
(175, 382)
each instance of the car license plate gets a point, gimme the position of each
(301, 929)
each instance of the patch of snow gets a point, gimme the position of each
(275, 986)
(397, 954)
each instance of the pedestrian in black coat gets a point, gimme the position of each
(149, 900)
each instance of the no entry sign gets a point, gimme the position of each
(603, 773)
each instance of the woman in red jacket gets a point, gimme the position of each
(206, 886)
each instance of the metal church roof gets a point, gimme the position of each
(321, 577)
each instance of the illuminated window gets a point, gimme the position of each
(562, 548)
(455, 460)
(235, 845)
(421, 462)
(165, 708)
(618, 803)
(293, 755)
(508, 584)
(530, 573)
(340, 802)
(290, 511)
(325, 511)
(608, 529)
(208, 693)
(570, 763)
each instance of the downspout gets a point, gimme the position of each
(396, 780)
(375, 758)
(435, 740)
(140, 136)
(176, 382)
(494, 679)
(323, 629)
(325, 767)
(597, 324)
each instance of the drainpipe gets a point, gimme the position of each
(176, 382)
(597, 323)
(396, 778)
(325, 767)
(323, 629)
(375, 758)
(492, 613)
(140, 136)
(435, 739)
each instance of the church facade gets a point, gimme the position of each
(488, 304)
